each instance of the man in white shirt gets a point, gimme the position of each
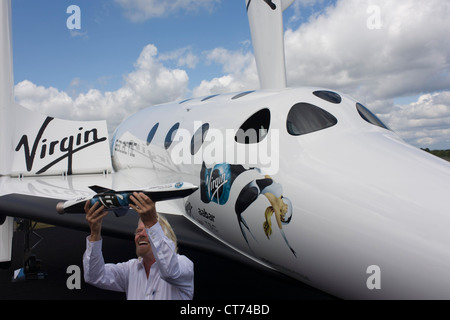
(159, 273)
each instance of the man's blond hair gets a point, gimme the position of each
(168, 231)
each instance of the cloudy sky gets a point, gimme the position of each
(393, 56)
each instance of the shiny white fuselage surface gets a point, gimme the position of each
(360, 195)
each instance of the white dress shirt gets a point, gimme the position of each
(171, 277)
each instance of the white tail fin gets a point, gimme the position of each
(266, 26)
(6, 99)
(6, 86)
(34, 144)
(43, 145)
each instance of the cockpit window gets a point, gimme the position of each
(171, 135)
(152, 133)
(304, 118)
(198, 138)
(367, 115)
(329, 96)
(255, 128)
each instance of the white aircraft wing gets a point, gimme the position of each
(35, 198)
(44, 160)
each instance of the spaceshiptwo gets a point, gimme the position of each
(305, 181)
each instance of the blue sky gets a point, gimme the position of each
(109, 42)
(131, 54)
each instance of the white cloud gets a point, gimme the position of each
(184, 57)
(149, 84)
(141, 10)
(424, 123)
(239, 68)
(408, 55)
(304, 8)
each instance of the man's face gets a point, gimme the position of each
(142, 242)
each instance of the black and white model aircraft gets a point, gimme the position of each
(306, 181)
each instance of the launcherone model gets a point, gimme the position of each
(306, 181)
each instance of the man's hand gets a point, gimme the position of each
(145, 207)
(94, 216)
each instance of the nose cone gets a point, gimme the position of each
(60, 207)
(411, 219)
(380, 202)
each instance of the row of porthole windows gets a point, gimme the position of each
(197, 139)
(237, 96)
(303, 118)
